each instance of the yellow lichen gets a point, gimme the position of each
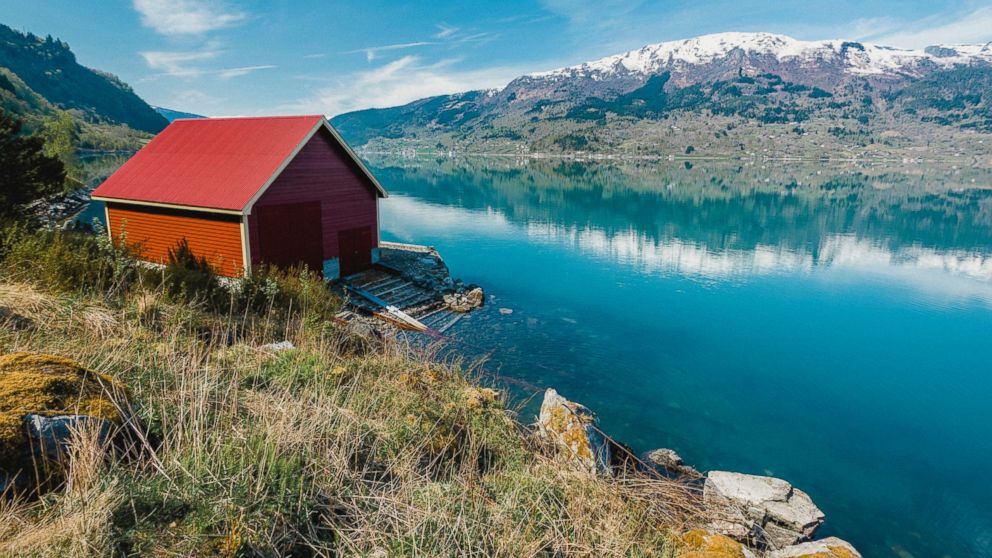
(842, 552)
(477, 398)
(700, 543)
(48, 385)
(832, 552)
(571, 431)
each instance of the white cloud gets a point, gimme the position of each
(185, 64)
(229, 73)
(371, 53)
(971, 27)
(445, 31)
(399, 82)
(178, 64)
(186, 17)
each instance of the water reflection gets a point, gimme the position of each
(721, 222)
(827, 325)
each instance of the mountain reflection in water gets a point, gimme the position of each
(825, 324)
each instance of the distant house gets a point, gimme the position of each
(248, 191)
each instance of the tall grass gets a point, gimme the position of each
(309, 452)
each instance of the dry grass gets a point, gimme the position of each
(311, 452)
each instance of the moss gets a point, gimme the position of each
(48, 385)
(700, 543)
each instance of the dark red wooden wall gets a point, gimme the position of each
(322, 171)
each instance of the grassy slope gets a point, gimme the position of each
(316, 452)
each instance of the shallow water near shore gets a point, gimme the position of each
(829, 326)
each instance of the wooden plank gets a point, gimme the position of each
(392, 310)
(448, 325)
(405, 285)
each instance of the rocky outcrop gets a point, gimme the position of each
(465, 301)
(830, 547)
(574, 429)
(672, 462)
(762, 511)
(700, 543)
(748, 516)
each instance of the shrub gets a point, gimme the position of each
(190, 277)
(66, 260)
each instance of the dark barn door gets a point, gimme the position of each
(355, 249)
(291, 234)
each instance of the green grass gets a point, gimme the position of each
(310, 452)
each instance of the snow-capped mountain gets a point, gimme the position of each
(853, 57)
(761, 78)
(827, 64)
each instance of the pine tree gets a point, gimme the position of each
(26, 173)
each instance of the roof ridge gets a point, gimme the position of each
(274, 117)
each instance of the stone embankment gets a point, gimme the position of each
(743, 515)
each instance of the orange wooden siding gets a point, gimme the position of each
(154, 231)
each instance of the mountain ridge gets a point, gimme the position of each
(41, 78)
(850, 94)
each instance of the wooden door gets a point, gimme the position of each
(291, 234)
(355, 250)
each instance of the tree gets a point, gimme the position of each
(27, 174)
(59, 134)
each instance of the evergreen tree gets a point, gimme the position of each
(27, 174)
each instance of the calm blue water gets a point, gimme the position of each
(829, 326)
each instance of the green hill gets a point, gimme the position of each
(39, 77)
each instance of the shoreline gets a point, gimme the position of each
(578, 156)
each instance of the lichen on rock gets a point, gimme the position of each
(700, 543)
(47, 386)
(575, 430)
(830, 547)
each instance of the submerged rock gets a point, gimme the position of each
(575, 431)
(830, 547)
(763, 511)
(672, 462)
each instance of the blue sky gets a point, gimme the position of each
(225, 57)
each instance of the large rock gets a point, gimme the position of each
(575, 431)
(43, 399)
(763, 511)
(671, 461)
(51, 436)
(700, 543)
(830, 547)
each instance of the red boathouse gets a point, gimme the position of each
(246, 191)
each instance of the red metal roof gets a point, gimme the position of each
(217, 163)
